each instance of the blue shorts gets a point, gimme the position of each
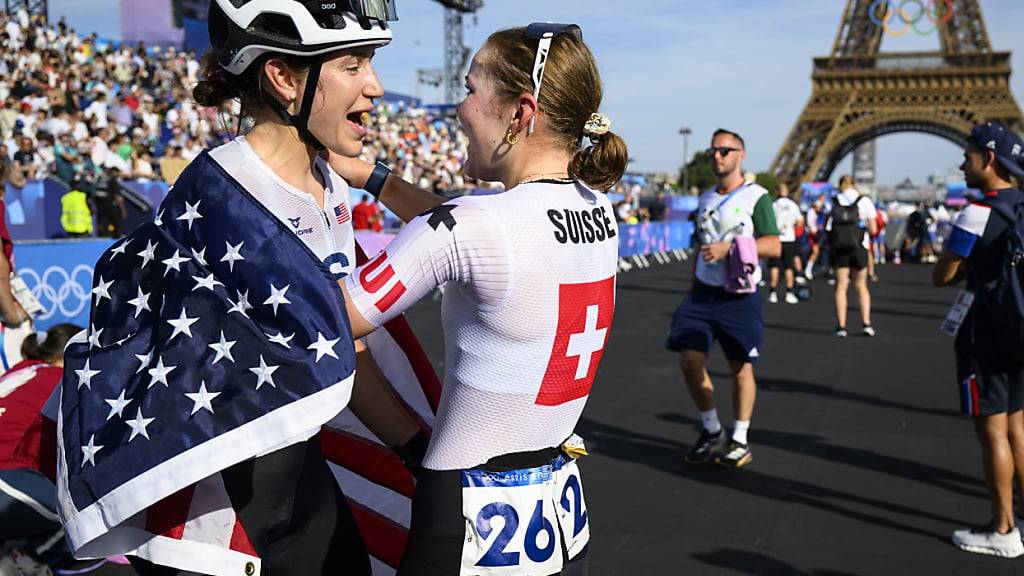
(709, 313)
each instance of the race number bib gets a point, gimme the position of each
(516, 521)
(962, 305)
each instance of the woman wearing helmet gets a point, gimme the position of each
(280, 59)
(529, 278)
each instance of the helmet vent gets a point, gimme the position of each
(275, 26)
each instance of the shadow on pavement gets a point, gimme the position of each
(666, 455)
(766, 384)
(756, 563)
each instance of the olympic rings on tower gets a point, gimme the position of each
(883, 12)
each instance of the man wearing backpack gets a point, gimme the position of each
(986, 248)
(852, 219)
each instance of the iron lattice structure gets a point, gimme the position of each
(33, 7)
(456, 54)
(861, 93)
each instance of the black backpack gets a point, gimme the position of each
(1003, 296)
(845, 233)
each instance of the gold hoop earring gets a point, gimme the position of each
(510, 138)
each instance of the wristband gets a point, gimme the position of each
(375, 183)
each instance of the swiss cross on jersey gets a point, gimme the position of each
(584, 322)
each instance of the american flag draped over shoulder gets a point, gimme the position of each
(215, 336)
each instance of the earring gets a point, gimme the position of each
(510, 138)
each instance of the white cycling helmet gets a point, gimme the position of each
(243, 30)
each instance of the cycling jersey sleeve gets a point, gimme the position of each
(456, 242)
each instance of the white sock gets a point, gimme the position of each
(710, 421)
(739, 433)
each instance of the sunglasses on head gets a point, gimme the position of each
(723, 151)
(544, 33)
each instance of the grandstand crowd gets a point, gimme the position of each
(76, 108)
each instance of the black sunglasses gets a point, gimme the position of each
(544, 33)
(723, 151)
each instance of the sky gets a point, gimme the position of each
(744, 65)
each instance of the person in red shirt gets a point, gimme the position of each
(28, 500)
(377, 219)
(362, 214)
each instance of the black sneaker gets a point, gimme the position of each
(706, 447)
(735, 455)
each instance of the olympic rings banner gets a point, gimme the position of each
(897, 17)
(59, 273)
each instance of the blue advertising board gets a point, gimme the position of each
(59, 273)
(654, 237)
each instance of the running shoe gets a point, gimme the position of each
(987, 541)
(809, 273)
(706, 447)
(773, 297)
(791, 298)
(736, 455)
(868, 331)
(841, 332)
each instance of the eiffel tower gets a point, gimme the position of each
(861, 93)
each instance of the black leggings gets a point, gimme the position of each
(294, 514)
(438, 528)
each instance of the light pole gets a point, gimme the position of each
(685, 132)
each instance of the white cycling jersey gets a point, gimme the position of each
(529, 294)
(327, 232)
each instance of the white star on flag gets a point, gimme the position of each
(117, 405)
(159, 374)
(85, 376)
(102, 290)
(191, 213)
(89, 451)
(182, 325)
(144, 359)
(242, 305)
(174, 263)
(149, 254)
(119, 250)
(209, 282)
(264, 373)
(141, 302)
(138, 426)
(94, 337)
(223, 349)
(159, 219)
(200, 256)
(281, 339)
(277, 297)
(202, 399)
(234, 253)
(323, 347)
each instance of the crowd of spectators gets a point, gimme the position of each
(76, 107)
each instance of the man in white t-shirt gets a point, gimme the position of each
(787, 217)
(849, 226)
(732, 209)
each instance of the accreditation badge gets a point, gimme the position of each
(955, 318)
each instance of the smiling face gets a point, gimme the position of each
(340, 112)
(480, 114)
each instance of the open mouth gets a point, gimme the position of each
(361, 120)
